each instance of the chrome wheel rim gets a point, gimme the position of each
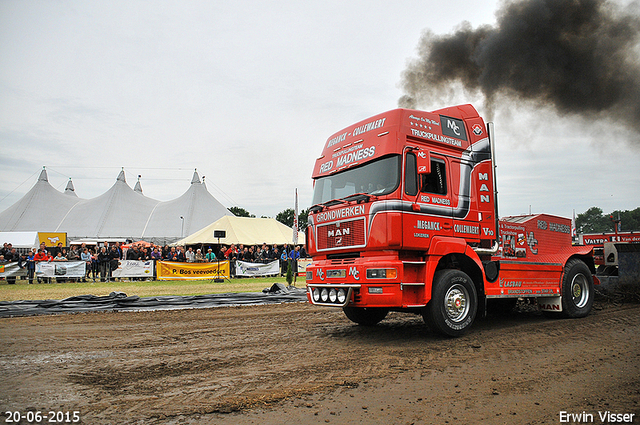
(579, 290)
(456, 303)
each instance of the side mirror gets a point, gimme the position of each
(423, 161)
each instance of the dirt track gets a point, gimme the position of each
(295, 363)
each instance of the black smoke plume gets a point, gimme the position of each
(579, 56)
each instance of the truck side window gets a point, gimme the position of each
(436, 181)
(411, 175)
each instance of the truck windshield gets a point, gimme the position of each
(375, 178)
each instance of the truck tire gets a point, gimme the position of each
(453, 305)
(366, 316)
(577, 289)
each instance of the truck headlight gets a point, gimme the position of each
(316, 294)
(342, 296)
(382, 273)
(324, 295)
(333, 295)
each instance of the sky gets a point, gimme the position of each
(247, 93)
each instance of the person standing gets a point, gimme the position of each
(95, 264)
(284, 260)
(156, 254)
(86, 257)
(294, 256)
(210, 256)
(114, 259)
(180, 254)
(190, 255)
(11, 256)
(31, 265)
(103, 262)
(40, 256)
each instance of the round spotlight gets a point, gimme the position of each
(333, 295)
(316, 294)
(342, 296)
(324, 295)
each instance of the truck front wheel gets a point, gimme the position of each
(366, 316)
(577, 289)
(453, 304)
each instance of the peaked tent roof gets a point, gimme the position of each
(244, 230)
(41, 209)
(196, 207)
(119, 212)
(70, 190)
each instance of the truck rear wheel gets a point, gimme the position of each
(453, 304)
(577, 289)
(366, 316)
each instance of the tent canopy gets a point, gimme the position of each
(40, 209)
(244, 230)
(20, 239)
(120, 213)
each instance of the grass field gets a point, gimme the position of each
(56, 291)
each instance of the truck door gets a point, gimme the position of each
(430, 194)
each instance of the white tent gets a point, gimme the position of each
(40, 209)
(70, 190)
(244, 230)
(119, 213)
(20, 239)
(195, 209)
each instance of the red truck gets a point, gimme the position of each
(405, 218)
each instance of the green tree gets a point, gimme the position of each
(240, 212)
(593, 221)
(286, 217)
(289, 276)
(630, 219)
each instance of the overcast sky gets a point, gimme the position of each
(247, 92)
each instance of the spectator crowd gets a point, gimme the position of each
(102, 259)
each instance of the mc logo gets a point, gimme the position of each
(353, 271)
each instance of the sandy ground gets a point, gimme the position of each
(300, 364)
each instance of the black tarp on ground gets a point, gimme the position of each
(118, 301)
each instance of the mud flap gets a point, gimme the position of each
(553, 304)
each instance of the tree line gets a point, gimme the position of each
(285, 217)
(594, 220)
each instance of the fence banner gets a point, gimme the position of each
(11, 269)
(170, 270)
(61, 269)
(257, 269)
(302, 266)
(133, 268)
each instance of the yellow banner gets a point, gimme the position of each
(52, 238)
(169, 270)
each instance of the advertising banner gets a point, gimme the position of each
(11, 269)
(170, 270)
(51, 239)
(302, 266)
(62, 269)
(257, 269)
(133, 268)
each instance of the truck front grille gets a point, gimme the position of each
(341, 234)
